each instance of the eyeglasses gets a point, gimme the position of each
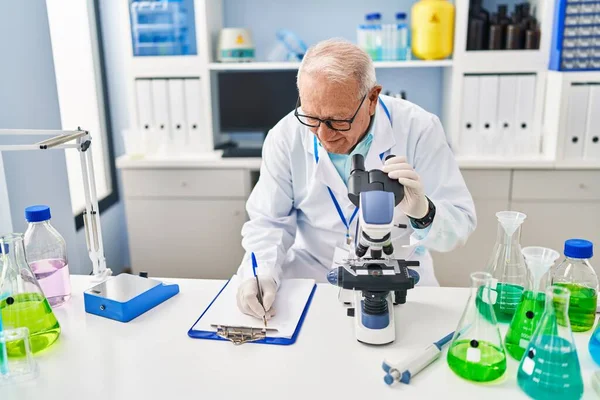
(340, 125)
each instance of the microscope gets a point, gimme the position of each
(378, 281)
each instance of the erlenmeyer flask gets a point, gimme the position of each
(550, 367)
(507, 266)
(476, 352)
(22, 301)
(531, 307)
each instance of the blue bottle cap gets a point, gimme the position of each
(579, 248)
(37, 213)
(373, 16)
(5, 248)
(400, 15)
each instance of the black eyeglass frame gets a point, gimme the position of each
(328, 122)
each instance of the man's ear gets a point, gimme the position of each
(373, 98)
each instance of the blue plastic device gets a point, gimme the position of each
(125, 297)
(576, 36)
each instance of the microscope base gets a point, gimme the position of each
(384, 333)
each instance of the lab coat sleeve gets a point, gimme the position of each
(271, 230)
(455, 217)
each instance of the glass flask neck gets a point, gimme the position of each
(12, 250)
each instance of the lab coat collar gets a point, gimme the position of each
(383, 141)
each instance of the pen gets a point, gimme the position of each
(260, 294)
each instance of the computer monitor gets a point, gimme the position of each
(255, 101)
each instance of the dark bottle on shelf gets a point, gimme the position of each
(475, 38)
(532, 37)
(513, 37)
(503, 21)
(478, 29)
(495, 37)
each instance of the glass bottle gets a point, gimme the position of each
(530, 308)
(576, 274)
(476, 352)
(510, 276)
(23, 303)
(46, 252)
(550, 367)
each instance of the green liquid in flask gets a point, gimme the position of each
(30, 310)
(479, 362)
(507, 300)
(582, 307)
(524, 322)
(550, 370)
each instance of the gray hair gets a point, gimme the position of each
(338, 60)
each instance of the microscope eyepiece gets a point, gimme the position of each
(358, 163)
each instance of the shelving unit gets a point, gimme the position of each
(496, 63)
(208, 17)
(281, 66)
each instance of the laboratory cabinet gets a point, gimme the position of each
(186, 223)
(559, 204)
(182, 215)
(490, 191)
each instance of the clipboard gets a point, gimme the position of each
(234, 329)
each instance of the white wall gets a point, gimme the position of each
(29, 100)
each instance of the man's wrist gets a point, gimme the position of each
(422, 223)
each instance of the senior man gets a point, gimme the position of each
(300, 214)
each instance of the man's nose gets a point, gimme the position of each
(324, 132)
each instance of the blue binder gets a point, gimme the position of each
(212, 335)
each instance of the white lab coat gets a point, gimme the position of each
(294, 227)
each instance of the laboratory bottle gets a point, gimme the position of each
(46, 253)
(539, 260)
(432, 29)
(374, 36)
(576, 274)
(550, 367)
(402, 43)
(510, 276)
(23, 304)
(476, 352)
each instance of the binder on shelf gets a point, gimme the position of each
(468, 121)
(178, 122)
(505, 122)
(591, 147)
(143, 97)
(526, 141)
(145, 112)
(576, 120)
(160, 106)
(222, 320)
(487, 114)
(194, 109)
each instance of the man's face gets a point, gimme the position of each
(327, 100)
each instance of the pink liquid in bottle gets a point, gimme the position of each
(53, 277)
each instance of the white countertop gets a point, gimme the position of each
(152, 357)
(215, 161)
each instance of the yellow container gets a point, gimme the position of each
(432, 29)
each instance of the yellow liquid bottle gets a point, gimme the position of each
(432, 29)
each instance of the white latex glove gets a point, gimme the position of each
(415, 203)
(247, 297)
